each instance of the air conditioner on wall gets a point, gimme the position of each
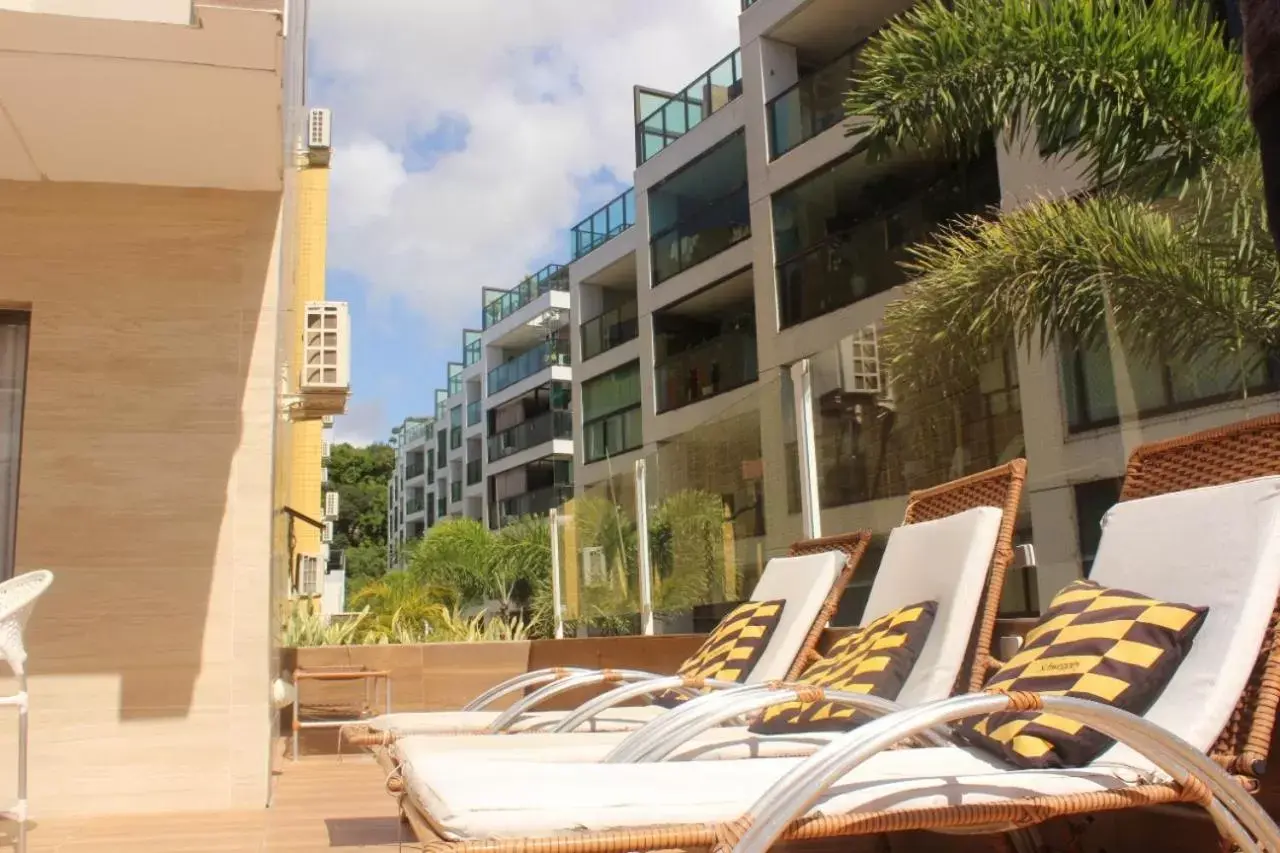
(326, 347)
(326, 533)
(325, 449)
(330, 504)
(319, 127)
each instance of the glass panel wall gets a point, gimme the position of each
(610, 329)
(471, 347)
(700, 210)
(814, 104)
(455, 427)
(705, 345)
(611, 413)
(841, 234)
(674, 116)
(474, 413)
(605, 224)
(455, 378)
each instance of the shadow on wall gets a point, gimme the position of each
(145, 305)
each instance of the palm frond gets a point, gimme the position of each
(1144, 91)
(1055, 269)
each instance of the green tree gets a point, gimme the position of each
(456, 554)
(361, 476)
(1167, 256)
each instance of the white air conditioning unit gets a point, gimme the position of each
(326, 347)
(308, 574)
(330, 504)
(326, 534)
(324, 475)
(325, 448)
(319, 121)
(327, 421)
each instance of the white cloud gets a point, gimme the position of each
(362, 425)
(543, 89)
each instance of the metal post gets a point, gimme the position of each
(556, 607)
(24, 699)
(642, 549)
(810, 509)
(296, 710)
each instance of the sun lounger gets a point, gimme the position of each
(1179, 535)
(948, 559)
(998, 489)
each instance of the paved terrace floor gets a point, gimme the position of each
(320, 805)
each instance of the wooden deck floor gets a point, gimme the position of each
(320, 805)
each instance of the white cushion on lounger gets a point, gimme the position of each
(946, 560)
(1217, 547)
(468, 723)
(507, 799)
(804, 582)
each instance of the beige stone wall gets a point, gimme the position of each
(146, 488)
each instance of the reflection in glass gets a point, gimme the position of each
(551, 352)
(605, 224)
(842, 233)
(610, 329)
(669, 118)
(812, 105)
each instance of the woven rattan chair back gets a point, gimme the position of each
(1238, 452)
(17, 599)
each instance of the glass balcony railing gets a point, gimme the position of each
(700, 373)
(747, 4)
(506, 303)
(610, 329)
(442, 507)
(812, 105)
(538, 502)
(605, 224)
(683, 111)
(612, 435)
(475, 471)
(474, 413)
(531, 433)
(455, 491)
(702, 235)
(546, 354)
(416, 467)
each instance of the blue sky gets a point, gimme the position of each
(468, 138)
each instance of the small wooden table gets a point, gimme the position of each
(370, 678)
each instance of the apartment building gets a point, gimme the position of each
(500, 443)
(154, 351)
(755, 240)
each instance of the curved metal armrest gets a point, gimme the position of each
(1235, 811)
(593, 708)
(659, 746)
(555, 688)
(520, 682)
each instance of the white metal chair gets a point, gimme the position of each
(17, 599)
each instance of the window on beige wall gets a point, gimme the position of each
(14, 326)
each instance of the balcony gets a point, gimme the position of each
(455, 491)
(415, 468)
(610, 329)
(455, 378)
(474, 413)
(413, 507)
(612, 435)
(702, 372)
(536, 431)
(848, 232)
(549, 353)
(671, 117)
(475, 471)
(605, 224)
(442, 507)
(503, 304)
(814, 104)
(455, 437)
(539, 502)
(701, 235)
(442, 449)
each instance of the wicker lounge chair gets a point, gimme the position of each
(949, 559)
(1204, 741)
(999, 487)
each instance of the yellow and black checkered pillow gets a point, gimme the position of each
(1107, 645)
(874, 661)
(732, 650)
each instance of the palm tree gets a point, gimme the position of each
(1168, 254)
